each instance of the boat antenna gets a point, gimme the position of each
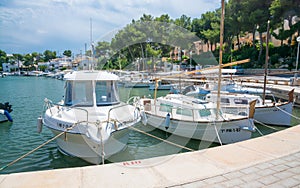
(220, 58)
(91, 67)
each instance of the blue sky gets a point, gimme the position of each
(37, 25)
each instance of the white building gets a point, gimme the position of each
(7, 67)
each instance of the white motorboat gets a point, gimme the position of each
(5, 110)
(161, 85)
(135, 79)
(94, 121)
(196, 119)
(268, 113)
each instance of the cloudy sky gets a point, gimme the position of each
(37, 25)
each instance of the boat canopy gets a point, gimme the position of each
(91, 75)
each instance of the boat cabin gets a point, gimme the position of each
(233, 99)
(98, 89)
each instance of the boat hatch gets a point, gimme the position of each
(204, 112)
(199, 102)
(240, 101)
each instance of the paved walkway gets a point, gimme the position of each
(281, 172)
(269, 161)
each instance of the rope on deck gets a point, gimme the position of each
(40, 146)
(166, 141)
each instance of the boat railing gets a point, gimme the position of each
(50, 104)
(119, 106)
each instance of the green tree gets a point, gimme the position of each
(184, 22)
(48, 55)
(233, 25)
(163, 18)
(28, 60)
(284, 10)
(103, 48)
(146, 18)
(67, 53)
(211, 29)
(255, 15)
(2, 57)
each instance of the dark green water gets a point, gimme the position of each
(26, 94)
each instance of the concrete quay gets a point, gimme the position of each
(268, 161)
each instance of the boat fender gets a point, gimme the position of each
(136, 113)
(167, 123)
(39, 124)
(6, 113)
(144, 117)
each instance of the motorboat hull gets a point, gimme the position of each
(89, 140)
(275, 115)
(79, 145)
(3, 118)
(228, 131)
(279, 114)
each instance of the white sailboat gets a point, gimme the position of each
(92, 117)
(268, 112)
(196, 119)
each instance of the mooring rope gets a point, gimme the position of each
(288, 113)
(166, 141)
(265, 125)
(217, 134)
(261, 134)
(35, 149)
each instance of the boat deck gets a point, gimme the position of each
(271, 160)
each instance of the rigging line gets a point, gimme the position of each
(171, 143)
(265, 125)
(288, 113)
(35, 149)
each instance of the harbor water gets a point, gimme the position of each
(27, 94)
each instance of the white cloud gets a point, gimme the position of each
(37, 25)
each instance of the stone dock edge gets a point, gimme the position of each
(261, 158)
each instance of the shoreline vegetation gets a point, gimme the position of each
(150, 41)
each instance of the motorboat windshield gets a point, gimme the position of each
(81, 93)
(106, 93)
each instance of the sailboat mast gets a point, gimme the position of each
(91, 31)
(220, 56)
(266, 62)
